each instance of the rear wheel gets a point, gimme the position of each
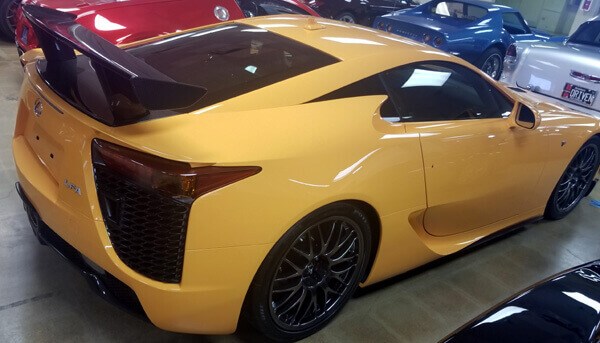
(491, 61)
(575, 182)
(347, 17)
(8, 11)
(310, 273)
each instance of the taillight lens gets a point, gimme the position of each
(511, 51)
(437, 41)
(426, 38)
(173, 178)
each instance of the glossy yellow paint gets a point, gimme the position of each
(436, 187)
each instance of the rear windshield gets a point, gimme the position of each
(459, 10)
(588, 34)
(231, 59)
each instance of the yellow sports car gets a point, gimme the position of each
(269, 166)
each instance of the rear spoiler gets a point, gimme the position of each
(132, 88)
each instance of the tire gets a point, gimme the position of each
(7, 18)
(575, 182)
(347, 17)
(491, 62)
(310, 273)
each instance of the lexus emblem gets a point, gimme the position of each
(38, 108)
(221, 13)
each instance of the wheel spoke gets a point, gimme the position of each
(341, 260)
(326, 244)
(301, 253)
(298, 302)
(298, 306)
(289, 289)
(289, 277)
(286, 300)
(341, 245)
(311, 305)
(291, 264)
(587, 158)
(340, 272)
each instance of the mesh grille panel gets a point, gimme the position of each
(147, 229)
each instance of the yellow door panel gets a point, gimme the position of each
(477, 172)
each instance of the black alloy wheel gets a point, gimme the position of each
(491, 62)
(576, 180)
(8, 22)
(311, 273)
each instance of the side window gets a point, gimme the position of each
(369, 86)
(459, 10)
(514, 24)
(436, 91)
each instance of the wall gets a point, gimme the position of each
(583, 16)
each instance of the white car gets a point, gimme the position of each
(567, 72)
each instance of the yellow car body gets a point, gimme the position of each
(430, 190)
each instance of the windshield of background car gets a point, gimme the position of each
(588, 34)
(459, 10)
(231, 59)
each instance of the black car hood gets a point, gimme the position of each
(564, 308)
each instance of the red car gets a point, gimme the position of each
(123, 22)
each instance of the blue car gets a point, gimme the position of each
(479, 32)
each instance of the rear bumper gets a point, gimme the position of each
(102, 283)
(215, 280)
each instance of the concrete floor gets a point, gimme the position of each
(43, 299)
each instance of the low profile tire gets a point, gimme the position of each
(8, 10)
(491, 62)
(575, 182)
(310, 273)
(346, 17)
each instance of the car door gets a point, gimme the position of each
(478, 170)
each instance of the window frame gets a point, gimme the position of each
(521, 20)
(394, 101)
(465, 11)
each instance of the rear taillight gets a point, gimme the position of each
(511, 51)
(172, 178)
(511, 54)
(438, 41)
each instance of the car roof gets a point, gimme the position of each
(341, 40)
(487, 5)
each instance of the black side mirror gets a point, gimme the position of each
(525, 117)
